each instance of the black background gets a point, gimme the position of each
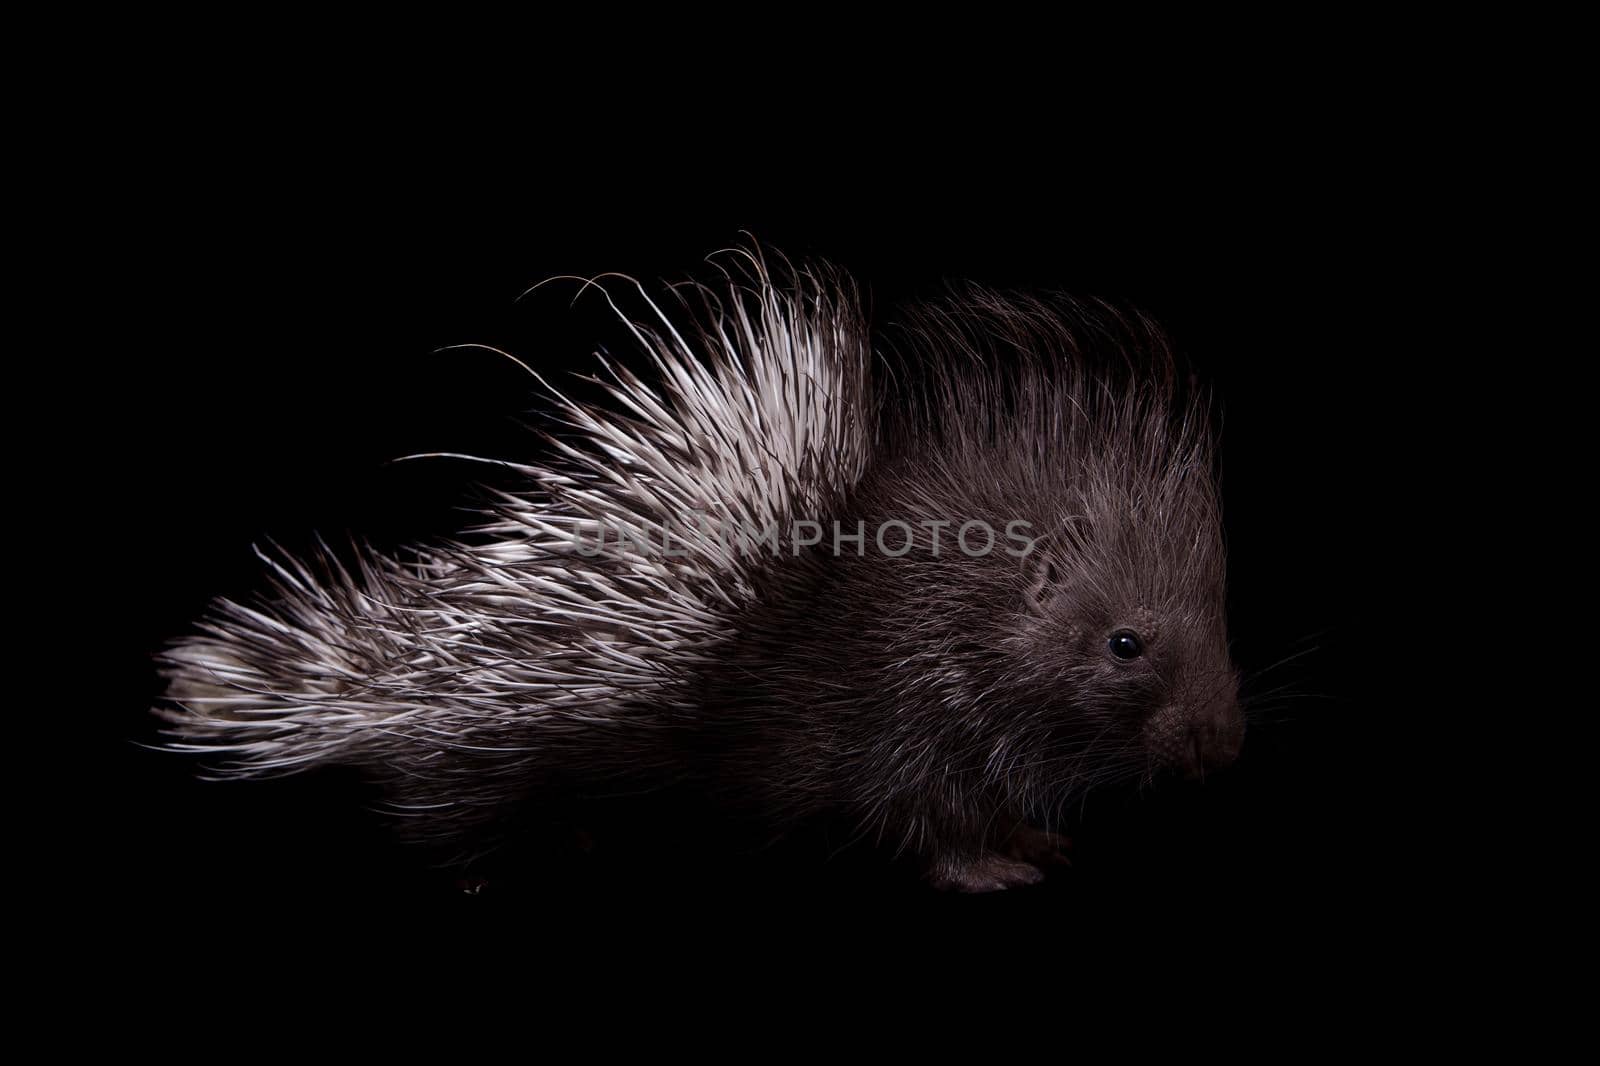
(275, 315)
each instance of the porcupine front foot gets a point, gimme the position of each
(1037, 847)
(1019, 859)
(989, 872)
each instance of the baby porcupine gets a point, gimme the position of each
(940, 589)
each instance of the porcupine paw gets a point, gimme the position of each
(988, 873)
(1037, 847)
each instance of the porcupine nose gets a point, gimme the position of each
(1215, 738)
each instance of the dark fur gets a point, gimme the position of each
(943, 701)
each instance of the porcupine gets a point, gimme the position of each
(950, 701)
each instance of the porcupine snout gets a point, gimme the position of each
(1199, 738)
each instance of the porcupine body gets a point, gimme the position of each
(759, 570)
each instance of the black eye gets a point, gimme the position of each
(1125, 646)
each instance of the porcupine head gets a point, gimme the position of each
(942, 596)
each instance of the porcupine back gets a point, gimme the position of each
(464, 675)
(923, 694)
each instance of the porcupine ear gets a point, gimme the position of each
(1044, 578)
(1046, 575)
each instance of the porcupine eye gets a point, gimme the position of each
(1125, 646)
